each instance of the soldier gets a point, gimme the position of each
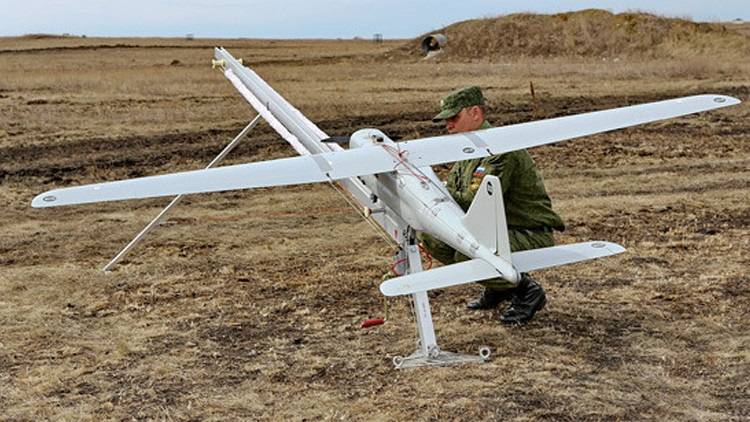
(528, 209)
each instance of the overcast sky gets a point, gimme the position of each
(307, 18)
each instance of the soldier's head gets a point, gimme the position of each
(462, 111)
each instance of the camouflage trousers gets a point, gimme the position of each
(520, 240)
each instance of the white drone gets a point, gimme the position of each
(395, 185)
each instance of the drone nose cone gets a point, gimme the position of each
(367, 137)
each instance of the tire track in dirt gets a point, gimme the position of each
(666, 168)
(135, 156)
(303, 61)
(661, 223)
(132, 156)
(139, 156)
(660, 190)
(127, 102)
(43, 50)
(505, 112)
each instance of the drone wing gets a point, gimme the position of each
(340, 165)
(286, 171)
(527, 135)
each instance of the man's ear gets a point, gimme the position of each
(477, 113)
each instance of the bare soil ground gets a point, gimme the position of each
(247, 305)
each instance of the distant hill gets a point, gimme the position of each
(587, 33)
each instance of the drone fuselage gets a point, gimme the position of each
(421, 199)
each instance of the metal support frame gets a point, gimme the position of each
(158, 219)
(428, 353)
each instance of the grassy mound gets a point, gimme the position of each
(587, 33)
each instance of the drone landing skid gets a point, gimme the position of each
(428, 353)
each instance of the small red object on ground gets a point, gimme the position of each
(373, 322)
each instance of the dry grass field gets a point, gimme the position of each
(246, 305)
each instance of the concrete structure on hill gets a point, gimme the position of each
(433, 44)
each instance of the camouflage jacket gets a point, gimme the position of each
(527, 205)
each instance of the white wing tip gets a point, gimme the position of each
(389, 289)
(723, 100)
(613, 248)
(45, 200)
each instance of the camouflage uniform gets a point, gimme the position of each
(528, 209)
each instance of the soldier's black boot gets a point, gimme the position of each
(489, 299)
(528, 298)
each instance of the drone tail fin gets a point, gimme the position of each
(488, 209)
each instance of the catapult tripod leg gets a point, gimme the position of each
(423, 314)
(428, 353)
(178, 198)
